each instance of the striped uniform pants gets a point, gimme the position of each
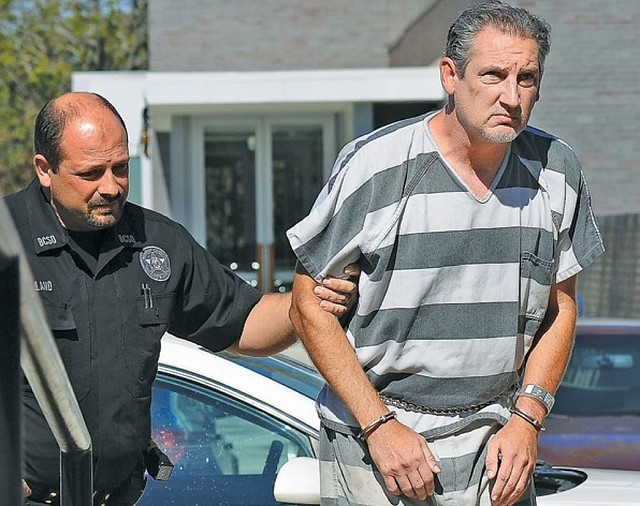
(347, 476)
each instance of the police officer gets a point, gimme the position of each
(113, 277)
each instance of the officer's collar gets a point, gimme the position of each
(48, 233)
(129, 231)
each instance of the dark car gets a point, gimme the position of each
(596, 419)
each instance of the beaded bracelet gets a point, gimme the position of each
(528, 418)
(371, 428)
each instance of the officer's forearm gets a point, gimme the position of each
(268, 329)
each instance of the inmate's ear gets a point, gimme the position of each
(448, 75)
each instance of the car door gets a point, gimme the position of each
(225, 450)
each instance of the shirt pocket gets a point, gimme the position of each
(155, 311)
(536, 277)
(141, 342)
(74, 350)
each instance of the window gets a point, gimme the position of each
(603, 376)
(221, 447)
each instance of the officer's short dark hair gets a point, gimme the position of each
(51, 122)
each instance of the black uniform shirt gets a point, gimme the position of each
(151, 276)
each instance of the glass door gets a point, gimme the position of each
(297, 162)
(230, 197)
(260, 178)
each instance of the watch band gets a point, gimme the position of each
(538, 393)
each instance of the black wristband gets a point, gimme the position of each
(528, 418)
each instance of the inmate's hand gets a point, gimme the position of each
(338, 295)
(511, 460)
(405, 462)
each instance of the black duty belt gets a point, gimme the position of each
(46, 496)
(51, 497)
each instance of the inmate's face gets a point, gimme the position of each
(494, 99)
(90, 188)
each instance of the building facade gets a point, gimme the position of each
(246, 103)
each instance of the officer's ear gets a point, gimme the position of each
(43, 170)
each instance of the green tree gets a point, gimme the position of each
(41, 43)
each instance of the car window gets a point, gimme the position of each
(292, 373)
(221, 447)
(603, 376)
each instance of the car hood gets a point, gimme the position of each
(602, 487)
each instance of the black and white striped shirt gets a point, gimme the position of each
(454, 287)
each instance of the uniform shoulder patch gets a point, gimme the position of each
(156, 263)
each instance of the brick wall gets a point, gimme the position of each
(611, 286)
(220, 35)
(591, 93)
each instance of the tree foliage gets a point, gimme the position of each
(41, 43)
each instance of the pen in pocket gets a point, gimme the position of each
(148, 296)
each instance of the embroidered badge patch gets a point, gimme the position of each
(155, 263)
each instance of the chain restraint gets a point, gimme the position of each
(427, 410)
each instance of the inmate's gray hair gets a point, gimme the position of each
(501, 16)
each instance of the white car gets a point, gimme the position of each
(244, 431)
(554, 486)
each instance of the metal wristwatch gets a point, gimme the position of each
(538, 393)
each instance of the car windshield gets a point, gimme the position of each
(603, 376)
(292, 373)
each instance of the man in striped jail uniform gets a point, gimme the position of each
(470, 227)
